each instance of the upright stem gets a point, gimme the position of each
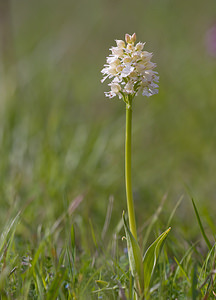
(129, 194)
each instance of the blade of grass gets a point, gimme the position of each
(8, 229)
(201, 226)
(194, 290)
(56, 283)
(154, 219)
(93, 234)
(174, 210)
(204, 268)
(182, 270)
(186, 255)
(108, 217)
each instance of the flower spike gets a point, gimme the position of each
(130, 69)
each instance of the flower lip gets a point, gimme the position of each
(115, 87)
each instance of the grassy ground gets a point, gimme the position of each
(62, 150)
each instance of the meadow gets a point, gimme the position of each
(62, 189)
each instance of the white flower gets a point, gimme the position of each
(127, 60)
(130, 70)
(120, 44)
(115, 90)
(117, 51)
(127, 71)
(113, 61)
(139, 46)
(130, 47)
(115, 87)
(129, 88)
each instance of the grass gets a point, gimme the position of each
(49, 266)
(62, 152)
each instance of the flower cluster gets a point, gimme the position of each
(130, 69)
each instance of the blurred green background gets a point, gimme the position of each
(60, 137)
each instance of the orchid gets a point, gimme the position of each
(130, 69)
(131, 72)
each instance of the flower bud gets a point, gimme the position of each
(127, 38)
(133, 38)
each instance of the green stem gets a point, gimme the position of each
(129, 194)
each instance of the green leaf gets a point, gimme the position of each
(201, 226)
(150, 259)
(194, 290)
(134, 254)
(93, 234)
(182, 270)
(73, 243)
(8, 232)
(56, 284)
(102, 284)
